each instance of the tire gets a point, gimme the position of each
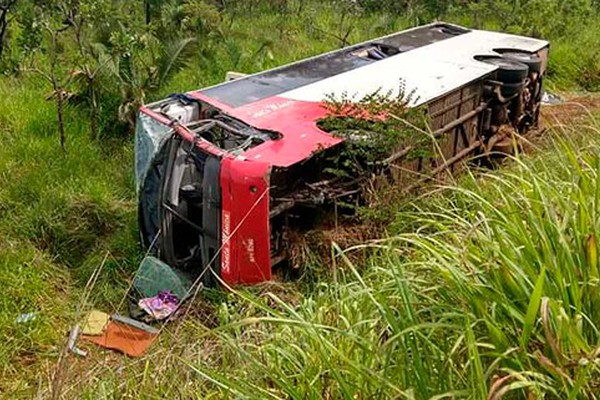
(509, 71)
(533, 61)
(511, 89)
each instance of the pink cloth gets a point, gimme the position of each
(160, 306)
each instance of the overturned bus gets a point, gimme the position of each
(225, 173)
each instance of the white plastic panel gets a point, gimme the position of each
(430, 71)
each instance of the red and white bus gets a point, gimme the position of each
(226, 172)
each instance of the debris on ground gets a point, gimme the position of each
(572, 109)
(94, 323)
(130, 340)
(157, 292)
(160, 306)
(133, 322)
(24, 318)
(72, 343)
(155, 276)
(551, 99)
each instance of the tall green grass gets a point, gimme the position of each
(495, 291)
(59, 216)
(484, 289)
(481, 288)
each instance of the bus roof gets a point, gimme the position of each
(429, 61)
(432, 60)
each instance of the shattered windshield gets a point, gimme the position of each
(150, 135)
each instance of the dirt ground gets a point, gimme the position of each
(572, 109)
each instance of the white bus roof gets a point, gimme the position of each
(433, 60)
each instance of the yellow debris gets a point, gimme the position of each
(94, 323)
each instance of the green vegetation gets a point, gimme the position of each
(482, 288)
(378, 124)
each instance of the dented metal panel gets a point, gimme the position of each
(245, 256)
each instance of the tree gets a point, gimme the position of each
(6, 6)
(58, 81)
(139, 80)
(86, 80)
(89, 63)
(93, 55)
(51, 19)
(150, 7)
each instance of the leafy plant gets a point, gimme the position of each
(54, 72)
(373, 127)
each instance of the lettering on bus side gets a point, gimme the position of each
(249, 244)
(272, 107)
(226, 254)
